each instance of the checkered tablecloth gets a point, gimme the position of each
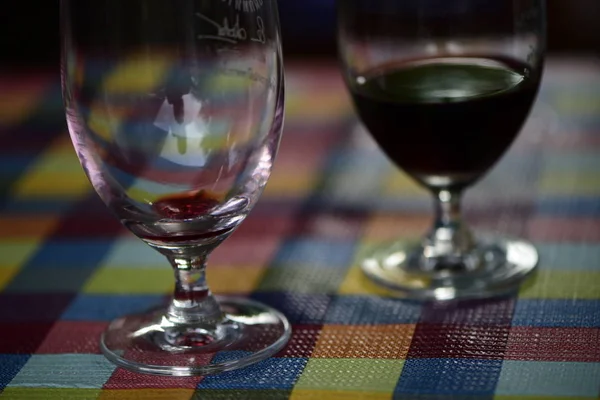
(67, 267)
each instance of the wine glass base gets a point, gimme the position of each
(147, 343)
(496, 266)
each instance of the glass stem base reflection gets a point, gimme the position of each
(246, 333)
(492, 266)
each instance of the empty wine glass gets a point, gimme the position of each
(444, 87)
(175, 109)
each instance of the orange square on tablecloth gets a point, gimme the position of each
(26, 227)
(366, 341)
(20, 97)
(394, 226)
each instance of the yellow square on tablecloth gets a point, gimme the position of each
(55, 174)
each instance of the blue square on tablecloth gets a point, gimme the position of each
(571, 162)
(318, 252)
(10, 365)
(35, 206)
(88, 307)
(451, 376)
(299, 308)
(71, 253)
(49, 280)
(557, 313)
(368, 310)
(81, 371)
(355, 174)
(570, 256)
(496, 311)
(535, 378)
(11, 166)
(132, 253)
(123, 178)
(359, 161)
(273, 373)
(568, 206)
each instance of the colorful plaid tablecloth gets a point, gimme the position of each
(67, 267)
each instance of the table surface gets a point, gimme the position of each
(67, 267)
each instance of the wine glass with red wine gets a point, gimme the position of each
(175, 109)
(444, 87)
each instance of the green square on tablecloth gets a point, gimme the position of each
(18, 393)
(131, 281)
(302, 279)
(16, 252)
(553, 284)
(48, 280)
(351, 375)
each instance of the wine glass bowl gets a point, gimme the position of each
(175, 110)
(444, 88)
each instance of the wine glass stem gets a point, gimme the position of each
(449, 236)
(192, 302)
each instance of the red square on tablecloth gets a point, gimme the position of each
(73, 337)
(302, 342)
(486, 342)
(563, 229)
(256, 252)
(331, 225)
(139, 394)
(553, 344)
(89, 218)
(22, 337)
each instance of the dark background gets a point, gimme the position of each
(29, 31)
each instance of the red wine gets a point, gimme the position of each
(449, 118)
(185, 206)
(178, 210)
